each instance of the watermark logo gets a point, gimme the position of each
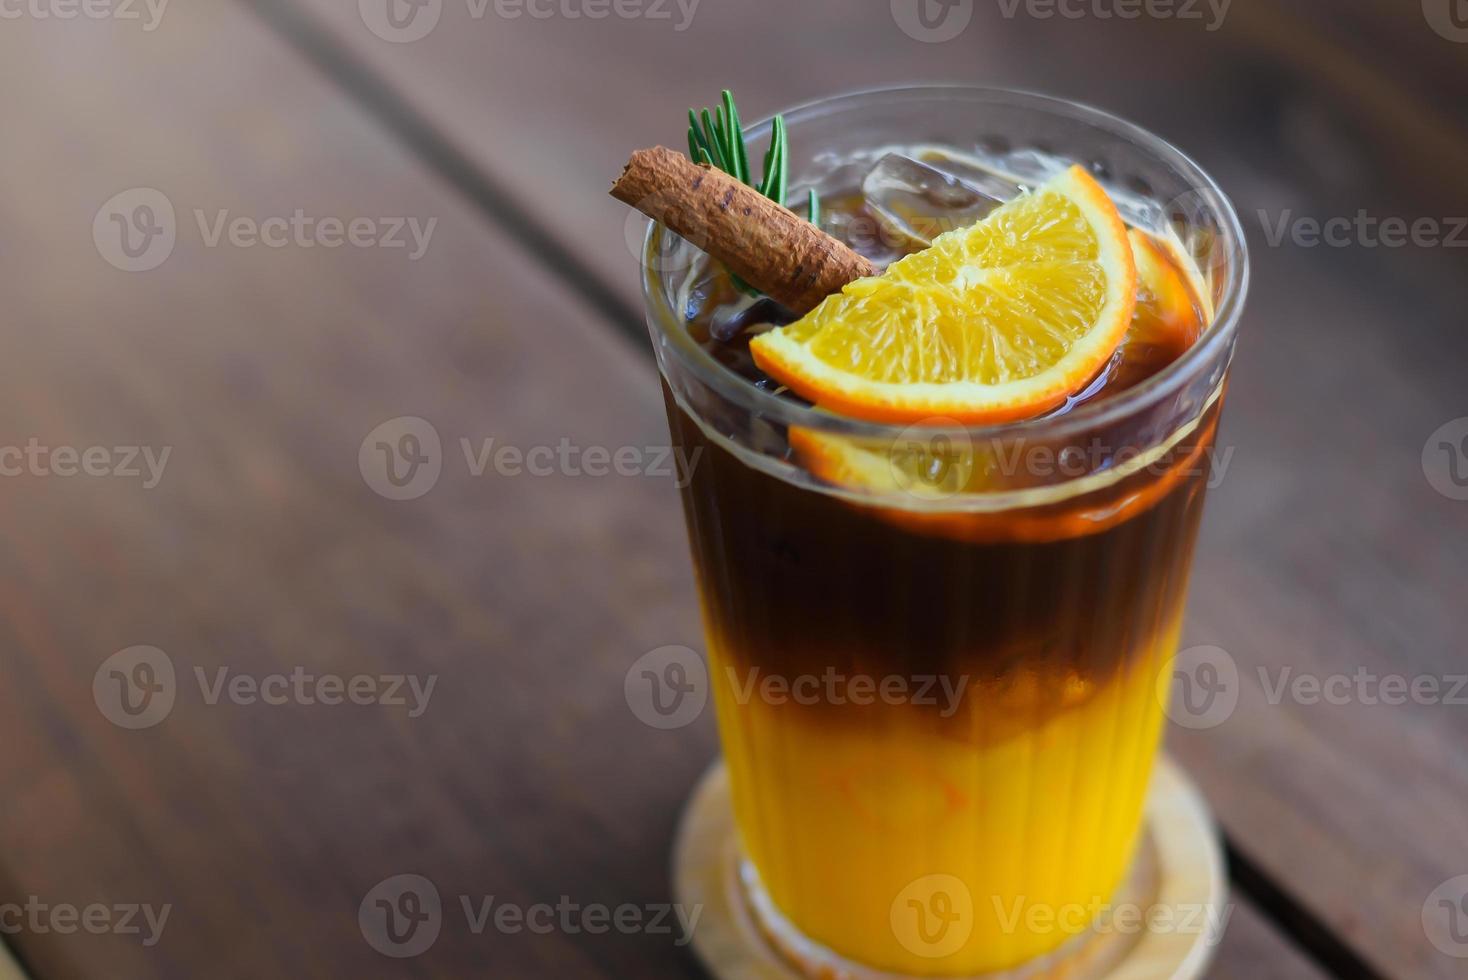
(400, 21)
(401, 916)
(40, 917)
(1199, 688)
(404, 21)
(36, 459)
(402, 458)
(672, 252)
(1194, 217)
(941, 691)
(567, 458)
(591, 10)
(135, 688)
(1449, 18)
(932, 21)
(930, 463)
(1211, 12)
(135, 230)
(933, 916)
(1445, 459)
(1101, 917)
(1363, 687)
(151, 12)
(1362, 230)
(667, 688)
(1445, 917)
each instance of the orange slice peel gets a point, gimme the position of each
(996, 322)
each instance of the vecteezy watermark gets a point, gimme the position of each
(935, 21)
(1362, 230)
(402, 459)
(1445, 459)
(121, 462)
(667, 688)
(148, 12)
(1199, 687)
(136, 230)
(138, 687)
(400, 21)
(933, 916)
(1211, 13)
(39, 917)
(1363, 687)
(405, 21)
(1445, 917)
(403, 916)
(1449, 18)
(859, 690)
(135, 688)
(1104, 917)
(937, 458)
(932, 21)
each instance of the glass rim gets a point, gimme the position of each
(766, 404)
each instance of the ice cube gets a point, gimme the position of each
(732, 319)
(916, 202)
(1002, 177)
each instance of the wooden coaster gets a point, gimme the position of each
(1179, 867)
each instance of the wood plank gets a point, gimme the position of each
(1253, 950)
(1309, 87)
(263, 549)
(1324, 550)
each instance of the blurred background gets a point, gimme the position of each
(251, 676)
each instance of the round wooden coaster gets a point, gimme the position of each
(1179, 871)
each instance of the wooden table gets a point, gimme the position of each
(261, 550)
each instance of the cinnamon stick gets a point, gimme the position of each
(768, 246)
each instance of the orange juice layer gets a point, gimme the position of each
(858, 821)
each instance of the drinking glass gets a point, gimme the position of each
(936, 665)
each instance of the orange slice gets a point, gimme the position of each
(994, 322)
(1167, 318)
(1169, 309)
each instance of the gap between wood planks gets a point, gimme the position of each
(439, 154)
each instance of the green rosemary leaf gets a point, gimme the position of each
(766, 184)
(813, 210)
(721, 137)
(782, 164)
(774, 186)
(736, 129)
(711, 139)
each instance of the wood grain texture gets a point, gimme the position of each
(263, 550)
(1254, 950)
(1325, 551)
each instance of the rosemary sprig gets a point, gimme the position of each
(717, 139)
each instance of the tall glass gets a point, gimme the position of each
(934, 650)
